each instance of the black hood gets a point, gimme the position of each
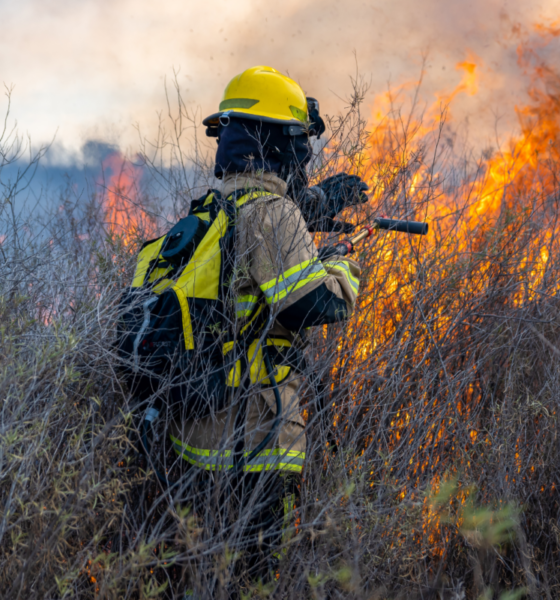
(246, 145)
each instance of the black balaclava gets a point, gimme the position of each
(247, 145)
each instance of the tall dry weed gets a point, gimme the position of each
(432, 417)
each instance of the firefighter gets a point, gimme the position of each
(279, 288)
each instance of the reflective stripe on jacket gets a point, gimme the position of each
(277, 459)
(277, 265)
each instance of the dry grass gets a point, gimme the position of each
(432, 419)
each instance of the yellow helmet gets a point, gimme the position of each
(264, 94)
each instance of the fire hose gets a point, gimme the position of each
(347, 246)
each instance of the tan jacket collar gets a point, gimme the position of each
(266, 181)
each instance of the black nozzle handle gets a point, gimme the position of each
(402, 226)
(342, 249)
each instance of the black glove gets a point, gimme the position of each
(324, 201)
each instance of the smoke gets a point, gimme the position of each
(92, 69)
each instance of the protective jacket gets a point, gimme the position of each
(280, 288)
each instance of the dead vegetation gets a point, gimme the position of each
(432, 419)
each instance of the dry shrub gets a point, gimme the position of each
(432, 417)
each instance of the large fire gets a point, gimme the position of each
(491, 220)
(495, 222)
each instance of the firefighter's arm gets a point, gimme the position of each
(303, 290)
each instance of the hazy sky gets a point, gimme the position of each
(90, 69)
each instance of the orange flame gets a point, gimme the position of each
(510, 189)
(469, 82)
(126, 214)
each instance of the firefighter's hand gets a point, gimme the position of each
(324, 201)
(331, 196)
(339, 192)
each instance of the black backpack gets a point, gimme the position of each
(172, 321)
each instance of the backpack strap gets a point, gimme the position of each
(231, 203)
(199, 203)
